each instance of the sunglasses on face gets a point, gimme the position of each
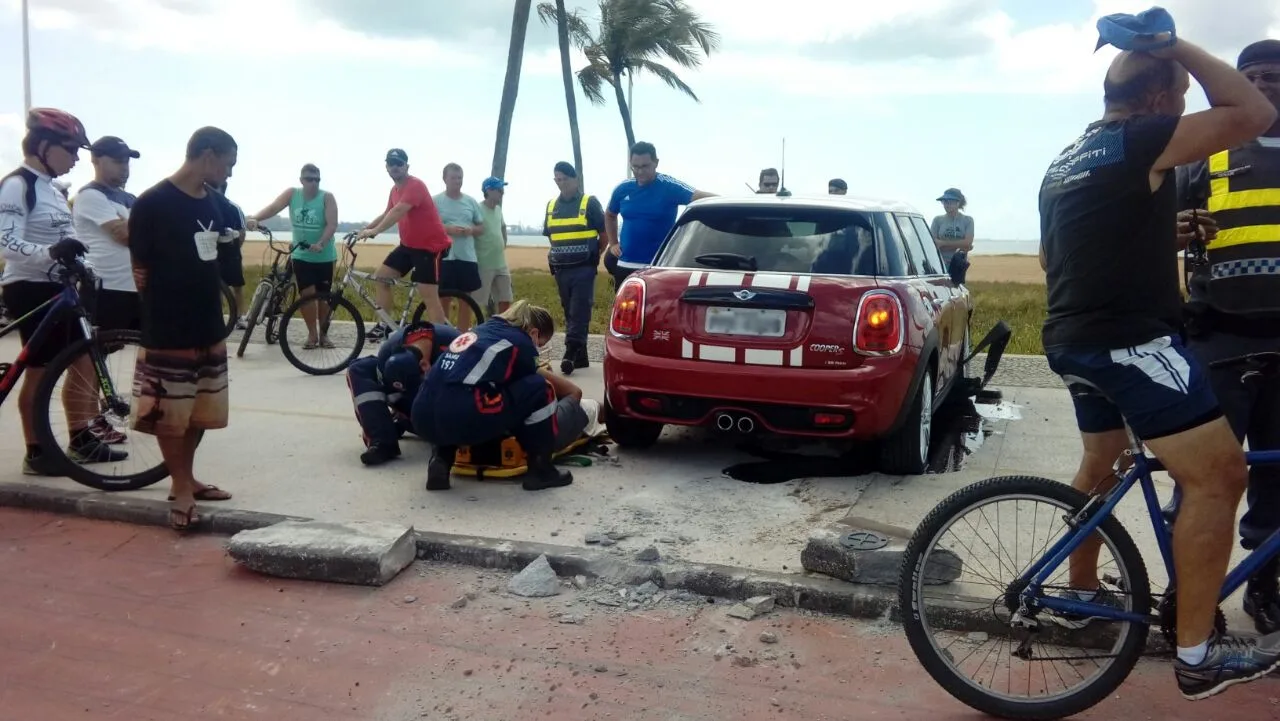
(1269, 76)
(311, 179)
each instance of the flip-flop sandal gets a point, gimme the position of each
(184, 521)
(209, 493)
(326, 343)
(310, 345)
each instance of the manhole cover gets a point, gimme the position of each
(863, 541)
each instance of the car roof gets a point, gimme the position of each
(859, 203)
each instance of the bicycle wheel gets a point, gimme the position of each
(255, 309)
(478, 315)
(345, 331)
(229, 309)
(957, 613)
(71, 376)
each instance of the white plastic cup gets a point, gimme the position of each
(207, 244)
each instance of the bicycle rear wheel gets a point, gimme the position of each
(72, 377)
(345, 330)
(957, 613)
(463, 298)
(230, 313)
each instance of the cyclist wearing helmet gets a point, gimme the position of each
(36, 232)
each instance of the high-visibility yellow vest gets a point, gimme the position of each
(573, 241)
(1244, 260)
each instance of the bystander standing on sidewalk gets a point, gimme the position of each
(491, 251)
(648, 204)
(180, 383)
(463, 221)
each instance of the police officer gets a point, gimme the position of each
(486, 386)
(1231, 220)
(574, 224)
(383, 386)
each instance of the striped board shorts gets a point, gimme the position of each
(175, 391)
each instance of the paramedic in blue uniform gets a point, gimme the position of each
(487, 386)
(383, 386)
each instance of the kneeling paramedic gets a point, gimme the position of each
(383, 386)
(487, 386)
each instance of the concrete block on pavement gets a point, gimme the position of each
(826, 553)
(366, 553)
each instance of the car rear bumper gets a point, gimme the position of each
(781, 400)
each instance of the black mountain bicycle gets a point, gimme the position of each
(275, 292)
(94, 398)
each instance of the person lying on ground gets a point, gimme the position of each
(383, 386)
(487, 387)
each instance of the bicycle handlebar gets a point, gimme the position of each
(1258, 364)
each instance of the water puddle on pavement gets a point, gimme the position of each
(959, 430)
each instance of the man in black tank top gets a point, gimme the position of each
(1107, 216)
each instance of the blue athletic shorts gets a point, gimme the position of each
(1158, 387)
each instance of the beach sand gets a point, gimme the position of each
(1006, 268)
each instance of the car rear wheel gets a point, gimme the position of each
(630, 432)
(906, 452)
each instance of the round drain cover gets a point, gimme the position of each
(863, 541)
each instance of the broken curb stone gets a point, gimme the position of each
(537, 580)
(825, 553)
(760, 604)
(742, 611)
(366, 553)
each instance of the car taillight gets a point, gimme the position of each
(628, 310)
(878, 328)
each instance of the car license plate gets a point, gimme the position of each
(769, 323)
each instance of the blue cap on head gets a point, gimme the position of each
(492, 183)
(1148, 30)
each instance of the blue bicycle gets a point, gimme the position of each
(1000, 629)
(93, 398)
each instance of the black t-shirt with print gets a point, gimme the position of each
(1109, 240)
(182, 298)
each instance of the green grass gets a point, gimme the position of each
(1021, 305)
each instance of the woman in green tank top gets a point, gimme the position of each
(313, 213)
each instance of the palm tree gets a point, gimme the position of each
(510, 86)
(570, 97)
(632, 35)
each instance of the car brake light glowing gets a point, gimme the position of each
(878, 328)
(627, 321)
(829, 419)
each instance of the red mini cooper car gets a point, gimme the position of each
(827, 317)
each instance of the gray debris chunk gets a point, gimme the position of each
(608, 601)
(606, 541)
(460, 603)
(742, 611)
(581, 582)
(594, 537)
(366, 553)
(646, 589)
(760, 604)
(618, 535)
(649, 553)
(537, 580)
(768, 637)
(573, 618)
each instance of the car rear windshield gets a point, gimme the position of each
(781, 240)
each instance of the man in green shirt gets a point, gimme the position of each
(313, 214)
(491, 249)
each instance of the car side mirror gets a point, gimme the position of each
(959, 267)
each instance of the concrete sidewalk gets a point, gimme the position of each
(111, 621)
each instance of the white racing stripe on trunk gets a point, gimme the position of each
(758, 357)
(797, 354)
(695, 277)
(719, 353)
(686, 348)
(724, 278)
(771, 280)
(802, 283)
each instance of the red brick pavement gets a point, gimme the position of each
(108, 621)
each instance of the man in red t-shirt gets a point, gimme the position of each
(423, 240)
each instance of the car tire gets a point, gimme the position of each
(630, 432)
(906, 452)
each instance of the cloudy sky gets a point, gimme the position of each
(902, 99)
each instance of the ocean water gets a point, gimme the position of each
(980, 246)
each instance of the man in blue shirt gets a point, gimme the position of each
(648, 203)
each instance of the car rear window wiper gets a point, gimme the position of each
(728, 261)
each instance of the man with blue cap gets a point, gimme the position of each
(1231, 220)
(1108, 207)
(491, 249)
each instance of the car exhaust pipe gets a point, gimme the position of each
(724, 422)
(746, 425)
